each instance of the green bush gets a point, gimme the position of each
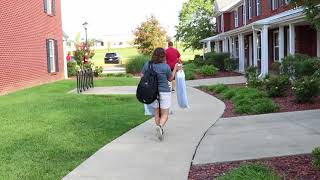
(98, 70)
(89, 65)
(135, 64)
(216, 59)
(316, 74)
(306, 89)
(230, 64)
(190, 75)
(277, 86)
(253, 80)
(275, 67)
(219, 88)
(199, 61)
(72, 68)
(190, 71)
(251, 172)
(316, 157)
(298, 66)
(208, 70)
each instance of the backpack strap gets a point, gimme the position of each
(151, 67)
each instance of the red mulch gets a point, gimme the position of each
(218, 75)
(288, 167)
(286, 104)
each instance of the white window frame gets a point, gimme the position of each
(258, 8)
(275, 46)
(250, 9)
(274, 3)
(236, 47)
(236, 18)
(52, 56)
(259, 47)
(49, 7)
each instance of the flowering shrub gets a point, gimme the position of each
(277, 86)
(252, 76)
(306, 89)
(83, 53)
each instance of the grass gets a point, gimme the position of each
(46, 133)
(251, 172)
(245, 100)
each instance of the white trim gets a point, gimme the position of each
(222, 23)
(250, 9)
(230, 46)
(49, 7)
(250, 51)
(281, 43)
(236, 18)
(65, 59)
(225, 45)
(209, 46)
(52, 56)
(257, 11)
(292, 36)
(276, 46)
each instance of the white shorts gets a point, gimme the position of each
(165, 101)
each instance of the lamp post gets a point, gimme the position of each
(85, 26)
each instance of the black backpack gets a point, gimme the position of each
(148, 91)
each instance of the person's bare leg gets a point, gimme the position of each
(164, 117)
(157, 117)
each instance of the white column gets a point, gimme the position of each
(204, 49)
(244, 17)
(292, 37)
(209, 46)
(250, 51)
(255, 50)
(281, 43)
(241, 53)
(225, 45)
(230, 46)
(318, 43)
(264, 52)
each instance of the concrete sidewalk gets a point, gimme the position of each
(212, 81)
(138, 155)
(260, 136)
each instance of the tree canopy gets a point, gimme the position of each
(149, 35)
(195, 23)
(311, 9)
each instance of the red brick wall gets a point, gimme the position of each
(306, 40)
(24, 28)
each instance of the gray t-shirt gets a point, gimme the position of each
(164, 73)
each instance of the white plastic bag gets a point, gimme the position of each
(148, 110)
(181, 90)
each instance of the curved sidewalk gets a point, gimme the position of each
(138, 154)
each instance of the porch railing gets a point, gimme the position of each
(84, 80)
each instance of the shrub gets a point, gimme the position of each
(135, 64)
(277, 86)
(89, 65)
(199, 61)
(72, 68)
(316, 74)
(253, 80)
(251, 172)
(216, 59)
(275, 67)
(208, 70)
(190, 75)
(298, 66)
(190, 70)
(219, 88)
(306, 89)
(230, 64)
(98, 70)
(316, 157)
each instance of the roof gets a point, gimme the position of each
(224, 5)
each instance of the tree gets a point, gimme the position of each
(83, 51)
(311, 10)
(195, 23)
(149, 35)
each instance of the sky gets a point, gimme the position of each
(117, 17)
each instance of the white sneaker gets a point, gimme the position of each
(159, 133)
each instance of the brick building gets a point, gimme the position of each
(31, 47)
(261, 32)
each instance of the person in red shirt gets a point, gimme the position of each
(69, 57)
(173, 57)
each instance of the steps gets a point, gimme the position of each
(113, 69)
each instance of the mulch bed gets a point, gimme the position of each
(218, 75)
(286, 104)
(297, 167)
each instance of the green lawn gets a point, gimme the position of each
(46, 133)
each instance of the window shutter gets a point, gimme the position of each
(53, 7)
(48, 56)
(240, 15)
(270, 5)
(45, 6)
(56, 55)
(254, 8)
(247, 10)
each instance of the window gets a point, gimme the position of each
(276, 45)
(274, 4)
(52, 56)
(250, 8)
(235, 47)
(50, 7)
(259, 47)
(236, 19)
(259, 8)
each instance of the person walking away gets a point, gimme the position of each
(173, 57)
(164, 75)
(69, 57)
